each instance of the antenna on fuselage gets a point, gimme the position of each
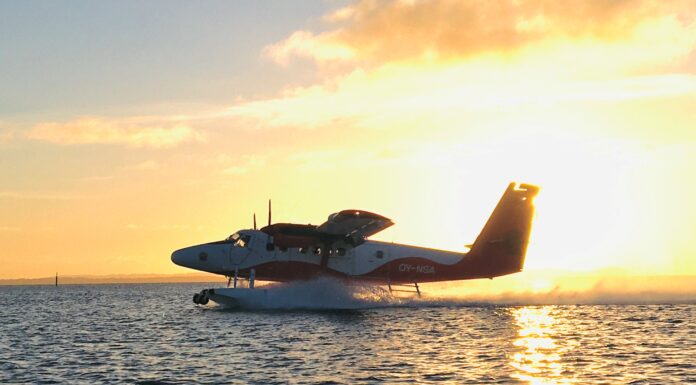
(269, 212)
(254, 221)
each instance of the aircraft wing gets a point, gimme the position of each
(356, 224)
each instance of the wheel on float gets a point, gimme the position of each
(196, 298)
(203, 300)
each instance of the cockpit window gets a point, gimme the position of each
(239, 240)
(243, 241)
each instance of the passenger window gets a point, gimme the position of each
(379, 254)
(317, 251)
(303, 250)
(341, 251)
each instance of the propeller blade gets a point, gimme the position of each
(269, 212)
(254, 221)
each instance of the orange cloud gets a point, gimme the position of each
(148, 165)
(41, 196)
(406, 60)
(379, 31)
(137, 132)
(6, 134)
(397, 98)
(167, 227)
(240, 166)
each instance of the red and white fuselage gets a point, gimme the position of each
(338, 248)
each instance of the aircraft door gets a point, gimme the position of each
(240, 250)
(379, 257)
(270, 250)
(352, 264)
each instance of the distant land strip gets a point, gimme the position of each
(111, 279)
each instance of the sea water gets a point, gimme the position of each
(154, 334)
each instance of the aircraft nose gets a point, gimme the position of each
(180, 257)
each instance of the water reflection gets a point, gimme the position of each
(539, 358)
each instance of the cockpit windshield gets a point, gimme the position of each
(239, 240)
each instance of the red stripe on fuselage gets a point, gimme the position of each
(402, 270)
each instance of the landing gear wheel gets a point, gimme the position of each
(196, 298)
(203, 300)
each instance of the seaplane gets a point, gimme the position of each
(340, 248)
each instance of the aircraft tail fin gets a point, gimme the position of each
(501, 246)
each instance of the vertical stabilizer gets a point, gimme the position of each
(501, 246)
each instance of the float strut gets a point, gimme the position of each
(252, 276)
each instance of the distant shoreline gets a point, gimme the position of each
(113, 279)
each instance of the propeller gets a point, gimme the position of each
(269, 212)
(254, 221)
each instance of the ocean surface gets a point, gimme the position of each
(154, 334)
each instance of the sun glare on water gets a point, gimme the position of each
(539, 360)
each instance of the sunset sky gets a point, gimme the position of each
(129, 129)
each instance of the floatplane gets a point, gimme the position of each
(339, 248)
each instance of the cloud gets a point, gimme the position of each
(6, 135)
(396, 155)
(170, 227)
(235, 170)
(412, 63)
(136, 132)
(41, 196)
(305, 43)
(401, 98)
(384, 31)
(418, 63)
(240, 166)
(96, 178)
(148, 165)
